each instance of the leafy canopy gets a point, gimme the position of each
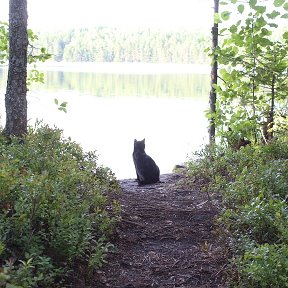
(253, 60)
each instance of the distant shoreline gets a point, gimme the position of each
(124, 67)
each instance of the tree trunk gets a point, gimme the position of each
(15, 98)
(214, 75)
(268, 125)
(272, 108)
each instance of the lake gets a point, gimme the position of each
(110, 105)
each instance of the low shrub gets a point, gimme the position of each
(261, 220)
(252, 184)
(264, 266)
(56, 208)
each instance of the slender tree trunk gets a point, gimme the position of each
(214, 75)
(269, 123)
(272, 108)
(15, 98)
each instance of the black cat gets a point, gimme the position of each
(146, 169)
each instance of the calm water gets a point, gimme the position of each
(108, 109)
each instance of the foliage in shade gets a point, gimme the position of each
(252, 184)
(57, 208)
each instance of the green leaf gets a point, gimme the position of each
(222, 31)
(30, 33)
(63, 104)
(225, 15)
(286, 6)
(273, 15)
(261, 22)
(233, 29)
(273, 25)
(264, 42)
(238, 39)
(233, 1)
(217, 18)
(285, 35)
(265, 32)
(252, 3)
(241, 8)
(62, 109)
(260, 9)
(285, 16)
(56, 101)
(278, 3)
(224, 74)
(235, 49)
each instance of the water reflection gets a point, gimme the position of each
(114, 85)
(167, 110)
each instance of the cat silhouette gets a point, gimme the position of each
(146, 169)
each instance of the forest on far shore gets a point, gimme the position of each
(107, 44)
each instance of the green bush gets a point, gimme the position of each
(265, 266)
(262, 221)
(252, 184)
(56, 207)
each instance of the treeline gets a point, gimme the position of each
(107, 44)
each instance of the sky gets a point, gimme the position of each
(129, 14)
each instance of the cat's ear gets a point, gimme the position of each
(143, 140)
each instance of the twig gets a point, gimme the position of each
(219, 271)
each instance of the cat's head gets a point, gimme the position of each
(139, 145)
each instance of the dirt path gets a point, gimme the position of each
(165, 239)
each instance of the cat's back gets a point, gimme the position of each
(146, 169)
